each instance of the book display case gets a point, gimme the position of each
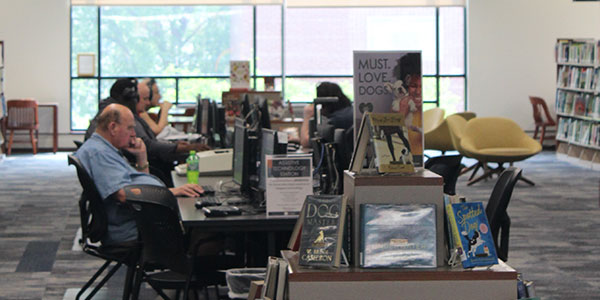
(578, 101)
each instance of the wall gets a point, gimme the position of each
(36, 53)
(511, 51)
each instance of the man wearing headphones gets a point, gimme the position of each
(161, 155)
(155, 96)
(124, 92)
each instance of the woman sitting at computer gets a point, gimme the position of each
(339, 114)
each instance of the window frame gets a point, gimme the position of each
(99, 77)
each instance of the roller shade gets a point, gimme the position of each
(289, 3)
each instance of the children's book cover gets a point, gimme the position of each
(393, 153)
(321, 237)
(398, 236)
(471, 234)
(239, 77)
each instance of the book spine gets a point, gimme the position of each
(454, 229)
(340, 233)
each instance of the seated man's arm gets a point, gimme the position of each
(156, 149)
(188, 190)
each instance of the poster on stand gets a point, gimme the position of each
(390, 82)
(288, 182)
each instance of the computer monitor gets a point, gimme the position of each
(269, 145)
(204, 114)
(241, 156)
(255, 111)
(263, 110)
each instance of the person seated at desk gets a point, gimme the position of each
(144, 131)
(338, 114)
(155, 96)
(161, 155)
(101, 156)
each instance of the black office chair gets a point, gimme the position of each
(93, 228)
(77, 143)
(447, 166)
(496, 209)
(165, 246)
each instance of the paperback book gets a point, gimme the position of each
(471, 234)
(322, 231)
(398, 236)
(386, 134)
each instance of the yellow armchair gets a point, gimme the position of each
(441, 138)
(497, 140)
(435, 131)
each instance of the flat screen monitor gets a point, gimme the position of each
(204, 117)
(263, 111)
(241, 156)
(269, 145)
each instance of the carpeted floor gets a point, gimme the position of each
(555, 238)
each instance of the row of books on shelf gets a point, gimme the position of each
(391, 235)
(582, 132)
(573, 77)
(577, 104)
(576, 51)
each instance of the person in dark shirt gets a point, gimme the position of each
(161, 155)
(338, 114)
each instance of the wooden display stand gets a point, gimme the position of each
(496, 282)
(422, 187)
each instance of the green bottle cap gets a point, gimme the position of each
(192, 152)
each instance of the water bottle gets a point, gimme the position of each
(192, 168)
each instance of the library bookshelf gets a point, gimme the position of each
(578, 101)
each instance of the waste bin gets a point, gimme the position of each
(238, 281)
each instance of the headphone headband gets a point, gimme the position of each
(150, 84)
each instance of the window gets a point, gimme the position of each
(188, 49)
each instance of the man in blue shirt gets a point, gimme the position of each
(102, 158)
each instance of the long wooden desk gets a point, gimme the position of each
(498, 282)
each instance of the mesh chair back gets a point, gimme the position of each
(497, 206)
(447, 166)
(158, 224)
(22, 114)
(93, 216)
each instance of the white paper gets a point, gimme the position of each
(85, 65)
(288, 182)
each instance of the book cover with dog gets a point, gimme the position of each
(322, 231)
(471, 234)
(390, 82)
(393, 153)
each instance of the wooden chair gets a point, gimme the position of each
(540, 122)
(22, 114)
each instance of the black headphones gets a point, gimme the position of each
(151, 83)
(131, 93)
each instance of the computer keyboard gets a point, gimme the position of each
(208, 190)
(207, 201)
